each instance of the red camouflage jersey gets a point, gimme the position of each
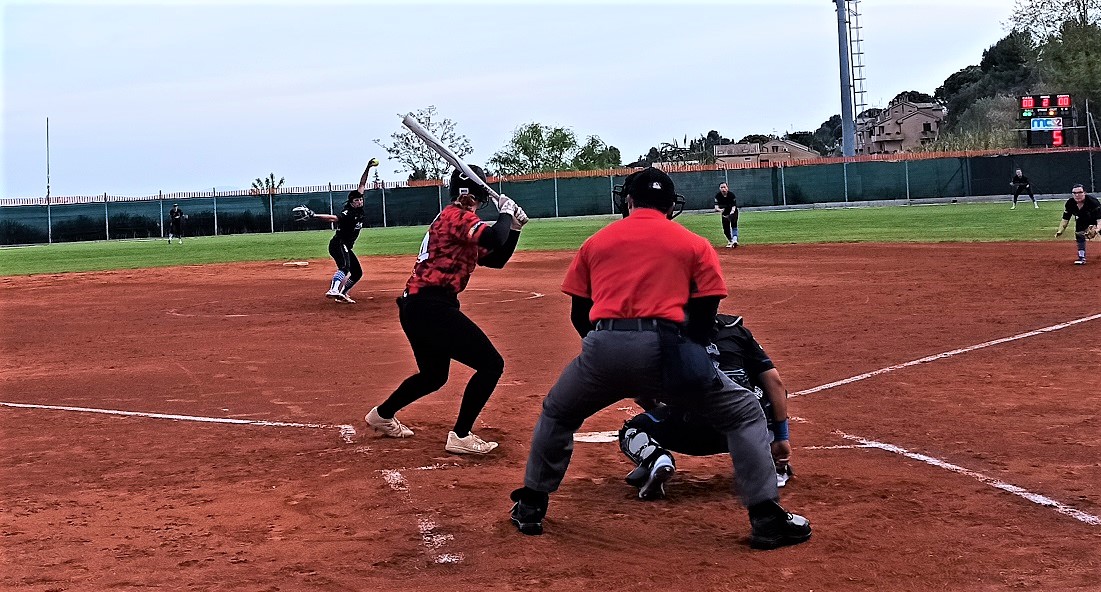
(449, 251)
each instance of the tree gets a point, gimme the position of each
(1072, 62)
(989, 124)
(914, 97)
(538, 148)
(1042, 19)
(1006, 68)
(423, 162)
(827, 138)
(266, 185)
(756, 139)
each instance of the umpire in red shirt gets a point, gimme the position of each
(645, 292)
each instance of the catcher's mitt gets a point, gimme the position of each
(302, 213)
(1089, 233)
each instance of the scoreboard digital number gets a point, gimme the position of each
(1045, 115)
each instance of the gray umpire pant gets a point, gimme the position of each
(618, 364)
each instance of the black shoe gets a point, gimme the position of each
(778, 528)
(529, 510)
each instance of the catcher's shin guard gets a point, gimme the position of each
(643, 450)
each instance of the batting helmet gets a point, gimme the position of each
(460, 185)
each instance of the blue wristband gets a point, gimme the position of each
(780, 431)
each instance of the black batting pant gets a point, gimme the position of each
(347, 262)
(439, 332)
(1022, 188)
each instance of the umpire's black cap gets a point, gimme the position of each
(650, 187)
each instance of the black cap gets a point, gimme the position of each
(651, 187)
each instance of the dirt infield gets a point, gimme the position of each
(975, 470)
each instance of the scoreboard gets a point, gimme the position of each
(1046, 115)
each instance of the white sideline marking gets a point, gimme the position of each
(947, 354)
(433, 541)
(1018, 491)
(347, 432)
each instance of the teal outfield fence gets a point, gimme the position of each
(900, 178)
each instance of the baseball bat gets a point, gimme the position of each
(451, 158)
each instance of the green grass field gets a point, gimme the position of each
(926, 223)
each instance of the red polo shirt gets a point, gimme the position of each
(644, 266)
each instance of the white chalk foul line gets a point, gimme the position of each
(1018, 491)
(433, 541)
(947, 354)
(347, 432)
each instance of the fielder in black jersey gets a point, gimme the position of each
(727, 203)
(1020, 184)
(175, 223)
(1086, 211)
(348, 224)
(648, 437)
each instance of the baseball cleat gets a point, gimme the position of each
(529, 510)
(390, 427)
(470, 444)
(778, 528)
(332, 294)
(1079, 261)
(346, 299)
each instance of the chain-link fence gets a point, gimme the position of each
(829, 181)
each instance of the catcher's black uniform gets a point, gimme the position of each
(676, 429)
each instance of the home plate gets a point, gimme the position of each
(596, 437)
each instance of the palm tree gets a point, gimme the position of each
(269, 186)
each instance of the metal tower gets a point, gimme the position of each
(850, 42)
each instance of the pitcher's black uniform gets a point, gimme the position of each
(348, 271)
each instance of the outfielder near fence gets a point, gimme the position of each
(899, 177)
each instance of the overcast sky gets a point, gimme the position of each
(186, 96)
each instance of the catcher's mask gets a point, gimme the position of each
(460, 185)
(651, 188)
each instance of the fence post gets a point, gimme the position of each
(611, 190)
(160, 201)
(383, 188)
(215, 189)
(555, 192)
(906, 164)
(49, 223)
(783, 185)
(845, 173)
(271, 212)
(439, 195)
(106, 218)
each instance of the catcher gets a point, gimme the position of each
(348, 224)
(648, 437)
(1086, 211)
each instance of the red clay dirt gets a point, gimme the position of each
(106, 501)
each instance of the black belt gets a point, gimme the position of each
(631, 324)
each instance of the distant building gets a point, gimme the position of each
(901, 127)
(773, 151)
